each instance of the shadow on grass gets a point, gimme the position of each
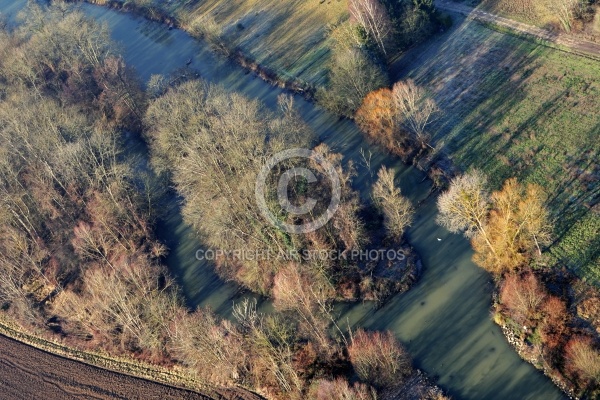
(507, 108)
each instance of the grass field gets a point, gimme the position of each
(289, 36)
(515, 108)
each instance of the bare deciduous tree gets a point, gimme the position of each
(340, 389)
(583, 358)
(374, 19)
(397, 209)
(417, 109)
(269, 340)
(353, 75)
(214, 351)
(378, 358)
(308, 295)
(464, 207)
(522, 295)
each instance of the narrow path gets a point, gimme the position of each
(574, 44)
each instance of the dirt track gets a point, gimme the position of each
(28, 373)
(578, 46)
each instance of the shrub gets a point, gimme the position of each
(522, 295)
(340, 389)
(583, 358)
(378, 358)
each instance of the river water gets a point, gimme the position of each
(444, 320)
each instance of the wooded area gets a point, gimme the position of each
(80, 262)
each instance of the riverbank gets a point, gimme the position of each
(561, 315)
(119, 297)
(219, 43)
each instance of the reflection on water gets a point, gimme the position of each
(444, 320)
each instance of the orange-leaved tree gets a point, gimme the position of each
(378, 117)
(506, 229)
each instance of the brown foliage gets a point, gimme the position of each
(76, 242)
(522, 295)
(340, 389)
(517, 226)
(507, 228)
(378, 117)
(398, 118)
(583, 358)
(589, 309)
(553, 325)
(378, 358)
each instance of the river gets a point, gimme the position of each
(444, 320)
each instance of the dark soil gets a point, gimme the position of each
(29, 373)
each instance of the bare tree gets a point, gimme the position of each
(353, 75)
(583, 358)
(417, 109)
(464, 207)
(340, 389)
(378, 358)
(269, 340)
(374, 19)
(215, 351)
(564, 11)
(522, 296)
(308, 295)
(397, 209)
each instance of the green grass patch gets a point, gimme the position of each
(513, 107)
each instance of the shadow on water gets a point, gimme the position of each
(444, 320)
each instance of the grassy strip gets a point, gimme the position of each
(269, 75)
(533, 39)
(137, 369)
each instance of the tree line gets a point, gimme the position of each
(510, 229)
